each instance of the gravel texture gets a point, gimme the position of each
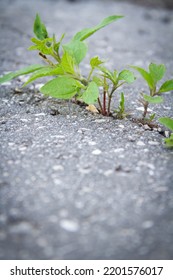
(75, 185)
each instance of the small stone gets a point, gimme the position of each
(69, 225)
(119, 150)
(11, 144)
(146, 127)
(96, 152)
(91, 143)
(108, 172)
(140, 143)
(58, 168)
(17, 90)
(100, 120)
(154, 143)
(57, 181)
(24, 79)
(142, 109)
(22, 148)
(39, 114)
(24, 120)
(167, 134)
(131, 139)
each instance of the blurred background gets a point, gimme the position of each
(150, 3)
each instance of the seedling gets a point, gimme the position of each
(152, 77)
(168, 122)
(62, 61)
(110, 82)
(120, 112)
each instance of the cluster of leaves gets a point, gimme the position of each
(63, 60)
(152, 77)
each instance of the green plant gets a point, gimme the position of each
(62, 61)
(120, 112)
(152, 77)
(168, 122)
(110, 82)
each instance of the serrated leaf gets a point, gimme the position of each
(153, 99)
(87, 32)
(61, 87)
(24, 71)
(127, 76)
(157, 71)
(95, 62)
(68, 63)
(76, 49)
(167, 122)
(91, 94)
(146, 76)
(40, 29)
(44, 46)
(43, 72)
(167, 86)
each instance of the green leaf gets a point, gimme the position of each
(167, 122)
(157, 71)
(61, 87)
(98, 81)
(43, 72)
(151, 118)
(108, 74)
(127, 76)
(56, 45)
(167, 86)
(122, 102)
(40, 29)
(76, 49)
(68, 63)
(24, 71)
(91, 94)
(153, 99)
(87, 32)
(169, 141)
(145, 75)
(44, 46)
(95, 62)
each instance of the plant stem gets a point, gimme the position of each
(100, 105)
(110, 99)
(46, 59)
(56, 57)
(90, 73)
(145, 109)
(104, 112)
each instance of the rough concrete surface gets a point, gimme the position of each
(74, 185)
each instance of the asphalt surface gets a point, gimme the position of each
(74, 185)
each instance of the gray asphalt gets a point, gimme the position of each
(74, 185)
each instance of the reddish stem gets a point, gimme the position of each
(104, 103)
